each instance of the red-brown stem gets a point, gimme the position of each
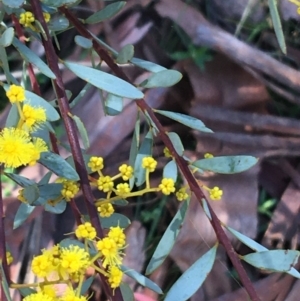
(3, 242)
(72, 136)
(222, 237)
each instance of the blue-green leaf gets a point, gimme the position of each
(4, 284)
(176, 141)
(67, 242)
(13, 3)
(134, 147)
(226, 164)
(31, 57)
(113, 104)
(165, 78)
(106, 13)
(20, 180)
(58, 24)
(13, 117)
(126, 292)
(171, 171)
(58, 165)
(105, 81)
(48, 192)
(144, 151)
(7, 37)
(277, 24)
(5, 66)
(141, 279)
(149, 66)
(192, 278)
(187, 120)
(58, 3)
(274, 260)
(206, 208)
(116, 219)
(168, 239)
(37, 101)
(86, 285)
(82, 131)
(25, 291)
(31, 193)
(57, 208)
(22, 214)
(125, 54)
(83, 42)
(256, 247)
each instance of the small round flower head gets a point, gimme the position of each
(109, 251)
(47, 17)
(117, 234)
(181, 194)
(208, 155)
(33, 117)
(16, 148)
(21, 197)
(215, 193)
(70, 188)
(74, 260)
(114, 276)
(126, 171)
(39, 146)
(9, 258)
(15, 94)
(167, 153)
(105, 183)
(96, 163)
(26, 19)
(106, 210)
(167, 186)
(86, 231)
(122, 189)
(42, 265)
(71, 295)
(49, 290)
(149, 163)
(40, 296)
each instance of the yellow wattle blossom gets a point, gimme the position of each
(114, 276)
(49, 290)
(39, 146)
(16, 148)
(117, 234)
(167, 153)
(21, 197)
(181, 194)
(70, 188)
(26, 19)
(96, 163)
(71, 295)
(40, 296)
(33, 117)
(167, 186)
(9, 258)
(105, 183)
(215, 193)
(43, 265)
(15, 94)
(74, 260)
(208, 155)
(149, 163)
(126, 171)
(85, 230)
(109, 250)
(122, 189)
(47, 17)
(106, 210)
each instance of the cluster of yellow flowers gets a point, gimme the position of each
(68, 265)
(27, 19)
(123, 191)
(17, 146)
